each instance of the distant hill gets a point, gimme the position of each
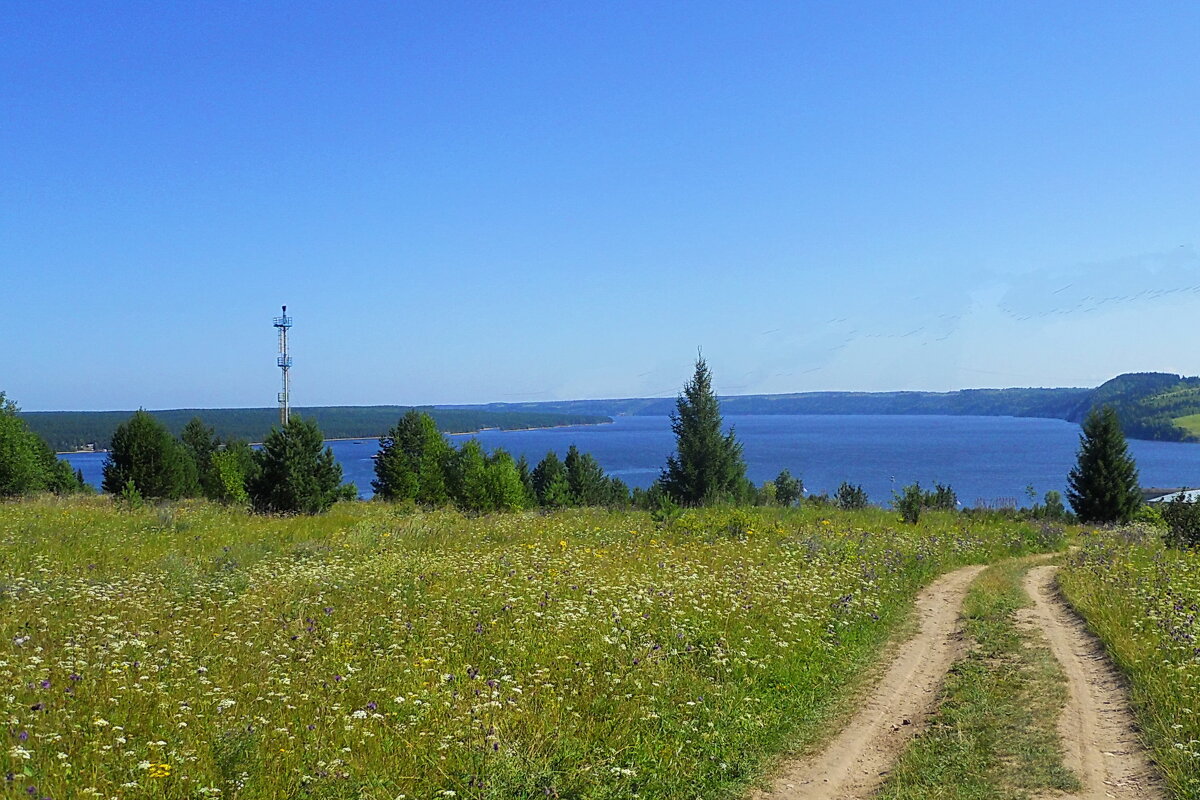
(1151, 405)
(71, 430)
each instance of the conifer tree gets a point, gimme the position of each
(586, 479)
(1103, 484)
(144, 453)
(707, 465)
(550, 482)
(200, 442)
(412, 461)
(295, 472)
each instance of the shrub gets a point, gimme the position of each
(1183, 522)
(909, 503)
(850, 497)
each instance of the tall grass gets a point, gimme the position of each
(1143, 600)
(193, 651)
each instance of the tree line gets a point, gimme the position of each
(293, 472)
(72, 430)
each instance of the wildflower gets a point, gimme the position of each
(160, 771)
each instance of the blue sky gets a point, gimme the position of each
(469, 202)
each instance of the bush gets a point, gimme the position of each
(850, 497)
(909, 503)
(1183, 522)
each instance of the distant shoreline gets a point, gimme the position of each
(357, 438)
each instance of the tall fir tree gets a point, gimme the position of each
(1103, 484)
(707, 465)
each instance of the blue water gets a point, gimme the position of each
(988, 459)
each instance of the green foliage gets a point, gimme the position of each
(27, 464)
(506, 492)
(412, 462)
(295, 473)
(129, 498)
(1183, 521)
(1051, 508)
(200, 442)
(788, 490)
(942, 498)
(550, 482)
(144, 453)
(69, 430)
(467, 478)
(1103, 484)
(586, 479)
(232, 467)
(707, 466)
(909, 503)
(850, 497)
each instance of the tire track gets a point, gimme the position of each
(855, 763)
(1098, 732)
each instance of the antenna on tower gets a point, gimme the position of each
(285, 363)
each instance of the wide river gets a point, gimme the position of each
(985, 459)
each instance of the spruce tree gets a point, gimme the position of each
(200, 442)
(468, 480)
(295, 472)
(707, 465)
(412, 460)
(586, 479)
(1103, 484)
(550, 482)
(144, 453)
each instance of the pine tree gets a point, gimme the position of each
(707, 465)
(296, 473)
(1103, 484)
(144, 453)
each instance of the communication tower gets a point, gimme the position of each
(285, 363)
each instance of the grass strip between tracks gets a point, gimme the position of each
(994, 734)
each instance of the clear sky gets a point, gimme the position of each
(471, 202)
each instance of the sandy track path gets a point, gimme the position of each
(1099, 736)
(855, 762)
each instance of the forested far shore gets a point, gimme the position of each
(67, 431)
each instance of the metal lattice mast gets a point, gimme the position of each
(285, 363)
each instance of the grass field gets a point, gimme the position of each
(194, 651)
(1143, 601)
(1190, 423)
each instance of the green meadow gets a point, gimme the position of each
(376, 651)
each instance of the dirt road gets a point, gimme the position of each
(1099, 737)
(855, 763)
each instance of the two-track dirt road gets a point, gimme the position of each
(1098, 732)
